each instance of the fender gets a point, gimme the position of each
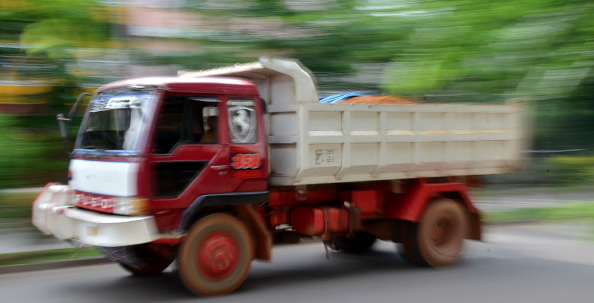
(189, 215)
(411, 205)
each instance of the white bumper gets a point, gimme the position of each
(54, 215)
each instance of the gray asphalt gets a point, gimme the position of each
(517, 263)
(27, 238)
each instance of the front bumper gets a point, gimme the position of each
(53, 214)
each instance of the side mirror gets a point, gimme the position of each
(64, 122)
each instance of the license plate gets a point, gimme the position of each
(92, 231)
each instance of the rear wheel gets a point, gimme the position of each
(215, 256)
(437, 239)
(360, 242)
(408, 250)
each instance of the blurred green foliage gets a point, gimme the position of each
(53, 27)
(434, 50)
(31, 154)
(441, 51)
(569, 211)
(16, 149)
(48, 33)
(568, 170)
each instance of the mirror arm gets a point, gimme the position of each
(76, 104)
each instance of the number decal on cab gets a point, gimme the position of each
(245, 161)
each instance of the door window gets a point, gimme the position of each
(186, 120)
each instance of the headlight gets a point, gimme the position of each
(131, 206)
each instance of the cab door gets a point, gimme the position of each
(189, 156)
(206, 145)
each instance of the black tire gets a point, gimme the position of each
(147, 259)
(215, 256)
(437, 239)
(407, 250)
(360, 242)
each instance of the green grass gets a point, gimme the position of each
(48, 255)
(570, 170)
(570, 211)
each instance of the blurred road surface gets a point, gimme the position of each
(21, 236)
(517, 263)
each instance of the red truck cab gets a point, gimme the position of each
(204, 137)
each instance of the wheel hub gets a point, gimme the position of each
(443, 230)
(218, 255)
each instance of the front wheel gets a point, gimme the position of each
(215, 256)
(437, 239)
(142, 259)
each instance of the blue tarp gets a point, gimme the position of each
(342, 97)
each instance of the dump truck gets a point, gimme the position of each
(212, 168)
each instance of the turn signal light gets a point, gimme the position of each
(131, 206)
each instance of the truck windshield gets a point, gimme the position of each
(114, 122)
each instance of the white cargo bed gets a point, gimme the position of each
(313, 143)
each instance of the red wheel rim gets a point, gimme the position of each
(217, 256)
(443, 231)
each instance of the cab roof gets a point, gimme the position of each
(207, 85)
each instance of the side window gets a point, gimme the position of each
(169, 125)
(206, 125)
(186, 120)
(242, 121)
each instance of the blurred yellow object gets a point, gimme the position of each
(20, 94)
(15, 4)
(575, 160)
(20, 100)
(24, 89)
